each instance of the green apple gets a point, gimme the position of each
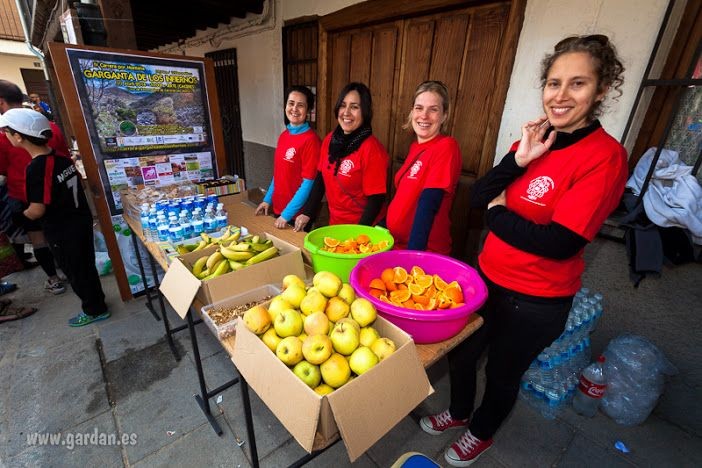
(277, 304)
(288, 323)
(257, 319)
(328, 283)
(313, 302)
(335, 371)
(344, 338)
(289, 350)
(316, 323)
(362, 360)
(323, 389)
(289, 280)
(302, 336)
(368, 336)
(350, 321)
(337, 309)
(308, 373)
(270, 339)
(293, 295)
(363, 311)
(347, 293)
(383, 347)
(317, 348)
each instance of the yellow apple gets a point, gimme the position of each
(317, 349)
(368, 336)
(337, 309)
(257, 319)
(362, 360)
(363, 311)
(271, 339)
(313, 301)
(349, 321)
(308, 373)
(289, 350)
(292, 279)
(293, 295)
(347, 293)
(383, 347)
(344, 338)
(288, 323)
(335, 371)
(277, 304)
(316, 323)
(328, 283)
(323, 389)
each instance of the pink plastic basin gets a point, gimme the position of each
(425, 326)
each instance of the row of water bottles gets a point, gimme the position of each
(181, 223)
(551, 381)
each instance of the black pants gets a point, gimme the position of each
(516, 329)
(74, 251)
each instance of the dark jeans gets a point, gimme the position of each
(517, 328)
(74, 251)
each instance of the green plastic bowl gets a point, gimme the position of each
(337, 263)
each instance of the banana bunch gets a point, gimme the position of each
(233, 256)
(231, 234)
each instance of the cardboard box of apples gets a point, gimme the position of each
(326, 365)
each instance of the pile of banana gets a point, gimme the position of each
(233, 256)
(230, 234)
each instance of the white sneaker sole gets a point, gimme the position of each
(462, 463)
(426, 426)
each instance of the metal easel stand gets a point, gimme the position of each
(203, 399)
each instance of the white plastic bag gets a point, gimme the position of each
(635, 370)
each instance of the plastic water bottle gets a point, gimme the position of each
(210, 221)
(175, 230)
(144, 217)
(591, 389)
(185, 224)
(153, 225)
(221, 216)
(163, 234)
(196, 223)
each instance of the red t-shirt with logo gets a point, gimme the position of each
(432, 164)
(578, 187)
(295, 158)
(361, 174)
(14, 161)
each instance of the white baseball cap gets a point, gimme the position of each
(26, 121)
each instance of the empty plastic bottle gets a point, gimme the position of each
(591, 389)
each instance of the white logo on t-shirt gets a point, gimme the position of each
(290, 154)
(539, 186)
(415, 169)
(345, 167)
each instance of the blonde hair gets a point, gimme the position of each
(441, 90)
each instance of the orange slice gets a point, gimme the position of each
(431, 305)
(362, 239)
(424, 300)
(363, 248)
(384, 298)
(415, 289)
(401, 295)
(423, 280)
(383, 244)
(439, 283)
(418, 306)
(390, 286)
(331, 242)
(387, 275)
(456, 304)
(377, 283)
(454, 293)
(409, 304)
(416, 271)
(400, 275)
(376, 293)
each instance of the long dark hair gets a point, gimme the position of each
(366, 101)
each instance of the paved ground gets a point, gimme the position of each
(119, 377)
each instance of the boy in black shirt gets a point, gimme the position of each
(56, 198)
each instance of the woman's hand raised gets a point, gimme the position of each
(532, 146)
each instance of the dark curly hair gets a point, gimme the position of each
(608, 67)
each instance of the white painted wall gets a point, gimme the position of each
(13, 56)
(631, 24)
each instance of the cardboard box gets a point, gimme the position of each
(361, 411)
(181, 287)
(261, 294)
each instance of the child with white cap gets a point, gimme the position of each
(56, 199)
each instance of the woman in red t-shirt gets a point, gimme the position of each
(545, 201)
(353, 165)
(294, 162)
(418, 215)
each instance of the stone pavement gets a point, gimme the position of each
(119, 377)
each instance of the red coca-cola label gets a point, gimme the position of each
(591, 389)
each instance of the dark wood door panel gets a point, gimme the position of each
(382, 79)
(360, 56)
(338, 73)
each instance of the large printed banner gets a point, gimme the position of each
(148, 119)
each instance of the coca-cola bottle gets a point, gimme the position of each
(591, 389)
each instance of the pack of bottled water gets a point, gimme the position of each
(551, 381)
(181, 219)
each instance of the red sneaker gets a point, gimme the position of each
(466, 450)
(438, 423)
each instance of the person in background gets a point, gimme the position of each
(353, 165)
(546, 199)
(425, 185)
(40, 106)
(13, 164)
(295, 161)
(57, 201)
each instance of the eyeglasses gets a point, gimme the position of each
(600, 39)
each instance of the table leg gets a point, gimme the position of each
(147, 291)
(201, 399)
(166, 324)
(249, 420)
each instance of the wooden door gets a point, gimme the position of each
(468, 48)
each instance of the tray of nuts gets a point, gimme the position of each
(221, 316)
